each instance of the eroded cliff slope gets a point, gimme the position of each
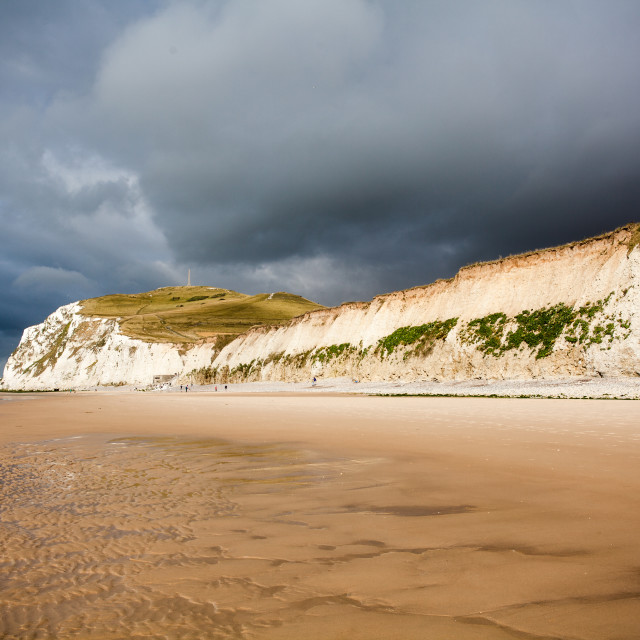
(561, 312)
(567, 311)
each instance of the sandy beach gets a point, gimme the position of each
(281, 516)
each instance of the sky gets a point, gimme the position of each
(336, 149)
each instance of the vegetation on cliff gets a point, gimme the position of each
(192, 314)
(539, 329)
(423, 337)
(536, 329)
(51, 357)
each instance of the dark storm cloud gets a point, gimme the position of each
(52, 47)
(337, 148)
(270, 130)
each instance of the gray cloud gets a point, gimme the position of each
(43, 279)
(308, 128)
(337, 148)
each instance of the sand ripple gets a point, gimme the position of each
(171, 538)
(85, 522)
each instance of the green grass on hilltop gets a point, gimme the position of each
(192, 314)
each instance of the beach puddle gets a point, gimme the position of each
(411, 511)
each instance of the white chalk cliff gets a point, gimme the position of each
(568, 311)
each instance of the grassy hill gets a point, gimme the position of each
(192, 314)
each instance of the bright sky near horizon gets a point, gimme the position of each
(332, 148)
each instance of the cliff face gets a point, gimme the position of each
(568, 311)
(70, 350)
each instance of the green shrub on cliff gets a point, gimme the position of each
(424, 335)
(488, 332)
(325, 354)
(539, 329)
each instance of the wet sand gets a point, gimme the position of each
(279, 517)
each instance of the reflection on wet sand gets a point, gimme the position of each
(167, 537)
(118, 536)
